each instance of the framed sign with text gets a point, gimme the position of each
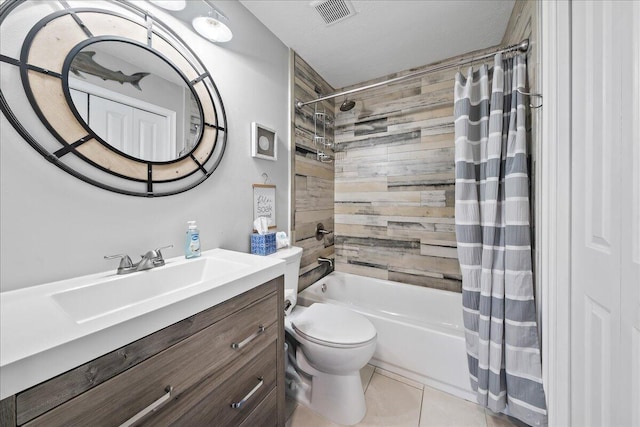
(264, 203)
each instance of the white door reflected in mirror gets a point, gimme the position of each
(136, 132)
(137, 103)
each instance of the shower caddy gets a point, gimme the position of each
(322, 121)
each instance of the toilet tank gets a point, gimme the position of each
(292, 257)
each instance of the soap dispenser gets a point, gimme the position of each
(192, 241)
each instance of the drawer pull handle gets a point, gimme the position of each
(239, 345)
(149, 409)
(237, 405)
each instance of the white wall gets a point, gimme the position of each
(54, 226)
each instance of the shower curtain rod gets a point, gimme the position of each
(523, 46)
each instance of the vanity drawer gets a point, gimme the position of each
(224, 399)
(265, 415)
(180, 367)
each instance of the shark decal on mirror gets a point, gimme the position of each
(84, 62)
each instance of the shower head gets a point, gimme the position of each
(347, 105)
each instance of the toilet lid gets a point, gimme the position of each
(333, 324)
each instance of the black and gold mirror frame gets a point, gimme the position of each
(45, 55)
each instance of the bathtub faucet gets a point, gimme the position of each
(329, 260)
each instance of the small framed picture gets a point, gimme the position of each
(264, 144)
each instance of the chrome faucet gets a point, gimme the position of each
(329, 260)
(126, 265)
(151, 259)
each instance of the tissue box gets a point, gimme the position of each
(263, 244)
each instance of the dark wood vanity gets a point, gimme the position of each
(221, 367)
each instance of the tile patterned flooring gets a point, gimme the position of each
(395, 401)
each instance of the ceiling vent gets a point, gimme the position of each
(333, 11)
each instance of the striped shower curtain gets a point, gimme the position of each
(494, 240)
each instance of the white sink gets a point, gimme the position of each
(48, 329)
(113, 293)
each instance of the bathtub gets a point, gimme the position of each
(420, 330)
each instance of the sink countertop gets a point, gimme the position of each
(40, 340)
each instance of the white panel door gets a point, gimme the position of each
(151, 131)
(113, 122)
(136, 132)
(630, 208)
(605, 165)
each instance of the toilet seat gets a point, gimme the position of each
(333, 326)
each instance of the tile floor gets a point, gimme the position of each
(395, 401)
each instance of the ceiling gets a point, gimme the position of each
(384, 36)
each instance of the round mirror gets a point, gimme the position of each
(127, 105)
(134, 100)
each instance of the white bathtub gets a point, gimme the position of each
(420, 330)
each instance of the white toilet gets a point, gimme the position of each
(332, 344)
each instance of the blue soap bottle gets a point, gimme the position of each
(192, 241)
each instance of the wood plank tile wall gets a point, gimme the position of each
(313, 197)
(394, 176)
